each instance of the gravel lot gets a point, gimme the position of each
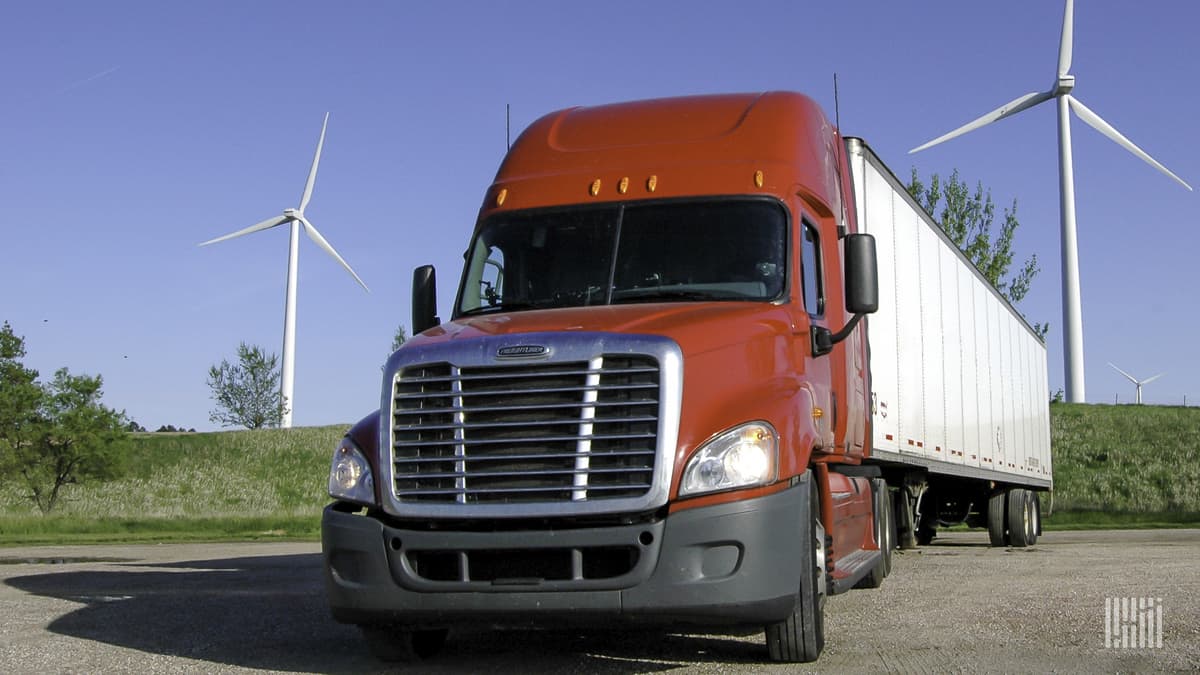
(956, 605)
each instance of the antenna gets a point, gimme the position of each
(837, 121)
(507, 127)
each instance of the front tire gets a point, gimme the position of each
(800, 637)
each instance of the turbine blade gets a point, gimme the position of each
(1093, 120)
(1067, 40)
(320, 241)
(1151, 379)
(1131, 378)
(264, 225)
(312, 173)
(1008, 109)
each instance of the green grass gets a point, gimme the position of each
(1126, 459)
(268, 484)
(1114, 466)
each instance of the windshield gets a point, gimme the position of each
(660, 252)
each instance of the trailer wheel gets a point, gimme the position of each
(1020, 517)
(1035, 508)
(885, 534)
(996, 518)
(388, 643)
(801, 636)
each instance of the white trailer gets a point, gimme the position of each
(961, 418)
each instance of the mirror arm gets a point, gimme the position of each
(823, 339)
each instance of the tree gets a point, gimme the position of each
(399, 338)
(56, 434)
(967, 218)
(20, 395)
(247, 392)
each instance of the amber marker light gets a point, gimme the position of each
(501, 196)
(623, 185)
(651, 183)
(758, 179)
(595, 190)
(818, 413)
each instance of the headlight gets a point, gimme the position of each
(350, 476)
(741, 457)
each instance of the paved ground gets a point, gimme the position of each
(954, 606)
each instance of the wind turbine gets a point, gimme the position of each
(296, 218)
(1137, 383)
(1063, 84)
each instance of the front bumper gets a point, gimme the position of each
(731, 564)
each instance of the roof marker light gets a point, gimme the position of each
(501, 196)
(623, 185)
(651, 183)
(758, 179)
(595, 187)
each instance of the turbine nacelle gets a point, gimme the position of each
(1063, 85)
(293, 214)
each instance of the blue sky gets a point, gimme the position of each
(132, 131)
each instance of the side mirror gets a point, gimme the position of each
(862, 290)
(424, 299)
(862, 274)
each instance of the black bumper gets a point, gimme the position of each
(733, 564)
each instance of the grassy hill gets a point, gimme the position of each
(246, 484)
(1140, 462)
(1126, 459)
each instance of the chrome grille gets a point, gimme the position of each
(572, 431)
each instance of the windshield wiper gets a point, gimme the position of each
(657, 294)
(506, 307)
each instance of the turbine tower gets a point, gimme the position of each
(295, 217)
(1064, 82)
(1136, 382)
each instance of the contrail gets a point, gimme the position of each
(80, 83)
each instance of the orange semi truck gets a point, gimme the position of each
(659, 400)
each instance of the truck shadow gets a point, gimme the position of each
(269, 612)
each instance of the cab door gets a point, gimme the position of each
(815, 280)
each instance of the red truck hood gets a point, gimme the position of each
(696, 327)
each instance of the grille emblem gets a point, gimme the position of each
(522, 351)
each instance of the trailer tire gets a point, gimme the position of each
(885, 534)
(1035, 508)
(391, 644)
(800, 637)
(1020, 517)
(997, 518)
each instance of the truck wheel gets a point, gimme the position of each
(1035, 517)
(1020, 517)
(801, 636)
(996, 518)
(388, 643)
(906, 535)
(885, 534)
